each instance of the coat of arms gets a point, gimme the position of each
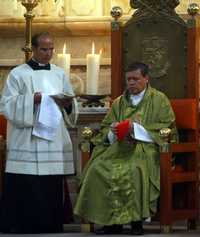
(155, 54)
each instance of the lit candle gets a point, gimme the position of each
(93, 67)
(63, 60)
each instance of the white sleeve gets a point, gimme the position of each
(141, 134)
(70, 119)
(16, 105)
(111, 137)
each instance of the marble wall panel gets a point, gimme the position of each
(59, 8)
(78, 46)
(83, 7)
(11, 48)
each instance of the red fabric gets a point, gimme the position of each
(123, 129)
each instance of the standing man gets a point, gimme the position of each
(39, 148)
(125, 162)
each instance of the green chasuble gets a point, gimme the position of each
(121, 182)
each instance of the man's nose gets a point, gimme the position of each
(132, 81)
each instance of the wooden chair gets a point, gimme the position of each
(179, 169)
(178, 162)
(149, 29)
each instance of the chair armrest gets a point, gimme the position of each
(165, 135)
(86, 136)
(184, 147)
(85, 145)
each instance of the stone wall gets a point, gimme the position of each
(74, 22)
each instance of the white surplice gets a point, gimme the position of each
(26, 153)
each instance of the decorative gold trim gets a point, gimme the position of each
(85, 228)
(116, 12)
(193, 9)
(166, 229)
(165, 135)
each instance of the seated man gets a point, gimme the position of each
(121, 182)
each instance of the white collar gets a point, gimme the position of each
(40, 64)
(135, 99)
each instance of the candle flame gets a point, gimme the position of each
(100, 51)
(93, 48)
(64, 48)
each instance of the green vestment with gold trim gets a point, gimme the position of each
(121, 182)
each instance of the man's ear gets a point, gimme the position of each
(147, 78)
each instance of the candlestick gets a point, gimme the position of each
(63, 60)
(29, 15)
(93, 67)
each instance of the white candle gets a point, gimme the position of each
(63, 60)
(93, 67)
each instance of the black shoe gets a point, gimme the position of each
(109, 230)
(137, 228)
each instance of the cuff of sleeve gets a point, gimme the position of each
(111, 137)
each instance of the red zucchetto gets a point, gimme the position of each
(123, 129)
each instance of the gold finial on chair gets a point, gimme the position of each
(193, 9)
(165, 135)
(87, 133)
(116, 12)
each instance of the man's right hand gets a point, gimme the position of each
(37, 98)
(113, 127)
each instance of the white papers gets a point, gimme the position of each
(47, 119)
(141, 134)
